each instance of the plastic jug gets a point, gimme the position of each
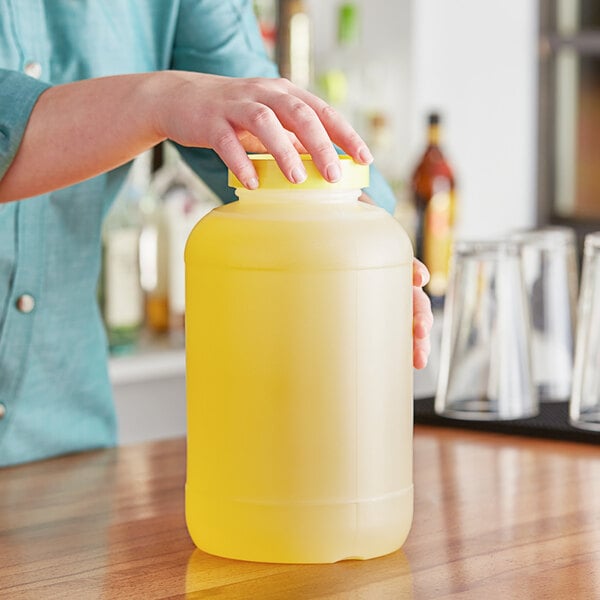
(299, 373)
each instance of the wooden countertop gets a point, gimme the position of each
(495, 517)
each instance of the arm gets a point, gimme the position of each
(78, 130)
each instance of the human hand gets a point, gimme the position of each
(233, 116)
(422, 316)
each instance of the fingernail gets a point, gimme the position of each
(422, 359)
(252, 184)
(334, 172)
(365, 155)
(418, 279)
(298, 174)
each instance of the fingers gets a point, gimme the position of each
(422, 324)
(420, 273)
(252, 144)
(338, 129)
(297, 116)
(314, 138)
(277, 107)
(296, 142)
(420, 357)
(229, 148)
(366, 199)
(262, 122)
(273, 115)
(422, 316)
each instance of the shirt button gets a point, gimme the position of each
(25, 303)
(33, 69)
(2, 411)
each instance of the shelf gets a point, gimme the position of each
(552, 422)
(154, 358)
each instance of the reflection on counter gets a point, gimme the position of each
(243, 580)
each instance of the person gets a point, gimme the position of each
(84, 88)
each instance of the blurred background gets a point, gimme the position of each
(514, 86)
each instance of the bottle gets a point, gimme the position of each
(434, 199)
(380, 138)
(294, 46)
(342, 80)
(154, 257)
(184, 201)
(299, 372)
(121, 292)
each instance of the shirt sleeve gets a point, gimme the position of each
(380, 191)
(18, 95)
(222, 37)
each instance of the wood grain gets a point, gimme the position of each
(496, 517)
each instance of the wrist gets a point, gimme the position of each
(152, 102)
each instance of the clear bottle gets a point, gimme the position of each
(121, 292)
(434, 197)
(184, 200)
(299, 372)
(154, 259)
(380, 138)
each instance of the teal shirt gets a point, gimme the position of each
(54, 384)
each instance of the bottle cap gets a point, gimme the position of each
(270, 177)
(434, 118)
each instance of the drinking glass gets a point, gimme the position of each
(550, 274)
(584, 409)
(485, 364)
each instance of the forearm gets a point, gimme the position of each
(79, 130)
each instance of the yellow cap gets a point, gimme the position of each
(270, 177)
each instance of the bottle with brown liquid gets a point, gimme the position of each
(434, 196)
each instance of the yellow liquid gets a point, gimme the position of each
(299, 383)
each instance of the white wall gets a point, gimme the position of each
(386, 45)
(475, 62)
(154, 409)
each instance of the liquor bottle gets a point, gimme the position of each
(121, 292)
(294, 46)
(434, 197)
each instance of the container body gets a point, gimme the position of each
(299, 379)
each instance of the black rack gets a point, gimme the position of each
(552, 422)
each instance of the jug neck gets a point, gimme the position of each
(299, 195)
